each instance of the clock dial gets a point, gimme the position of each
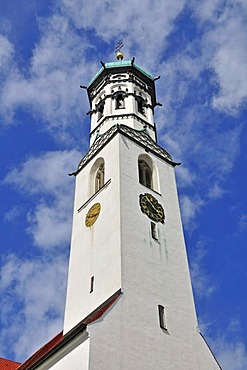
(92, 214)
(152, 208)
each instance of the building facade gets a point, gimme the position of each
(129, 303)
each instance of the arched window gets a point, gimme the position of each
(119, 97)
(145, 173)
(97, 176)
(140, 105)
(119, 101)
(100, 177)
(100, 109)
(148, 172)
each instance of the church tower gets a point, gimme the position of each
(129, 303)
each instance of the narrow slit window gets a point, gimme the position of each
(162, 317)
(92, 284)
(154, 230)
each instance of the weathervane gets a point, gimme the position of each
(118, 52)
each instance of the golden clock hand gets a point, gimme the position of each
(151, 204)
(92, 215)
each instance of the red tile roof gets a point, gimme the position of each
(8, 365)
(41, 352)
(60, 338)
(96, 314)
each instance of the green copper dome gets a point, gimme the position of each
(117, 64)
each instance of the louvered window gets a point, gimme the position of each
(148, 177)
(100, 177)
(145, 174)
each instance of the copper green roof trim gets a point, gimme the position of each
(97, 74)
(120, 63)
(143, 71)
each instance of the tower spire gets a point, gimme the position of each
(118, 52)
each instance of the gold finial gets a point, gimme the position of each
(119, 55)
(118, 52)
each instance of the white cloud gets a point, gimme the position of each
(47, 173)
(13, 213)
(230, 65)
(225, 51)
(50, 89)
(202, 282)
(50, 226)
(32, 292)
(185, 177)
(112, 20)
(207, 145)
(208, 152)
(6, 53)
(232, 356)
(190, 209)
(206, 10)
(216, 192)
(46, 178)
(243, 222)
(228, 347)
(5, 26)
(234, 325)
(224, 149)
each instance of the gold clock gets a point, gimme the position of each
(92, 214)
(152, 208)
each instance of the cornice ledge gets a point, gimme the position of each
(139, 136)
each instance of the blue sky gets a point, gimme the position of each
(49, 48)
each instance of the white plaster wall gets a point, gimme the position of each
(120, 252)
(95, 250)
(77, 359)
(74, 355)
(129, 336)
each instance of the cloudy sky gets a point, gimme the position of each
(47, 49)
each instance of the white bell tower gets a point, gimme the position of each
(129, 303)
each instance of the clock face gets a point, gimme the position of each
(92, 214)
(152, 208)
